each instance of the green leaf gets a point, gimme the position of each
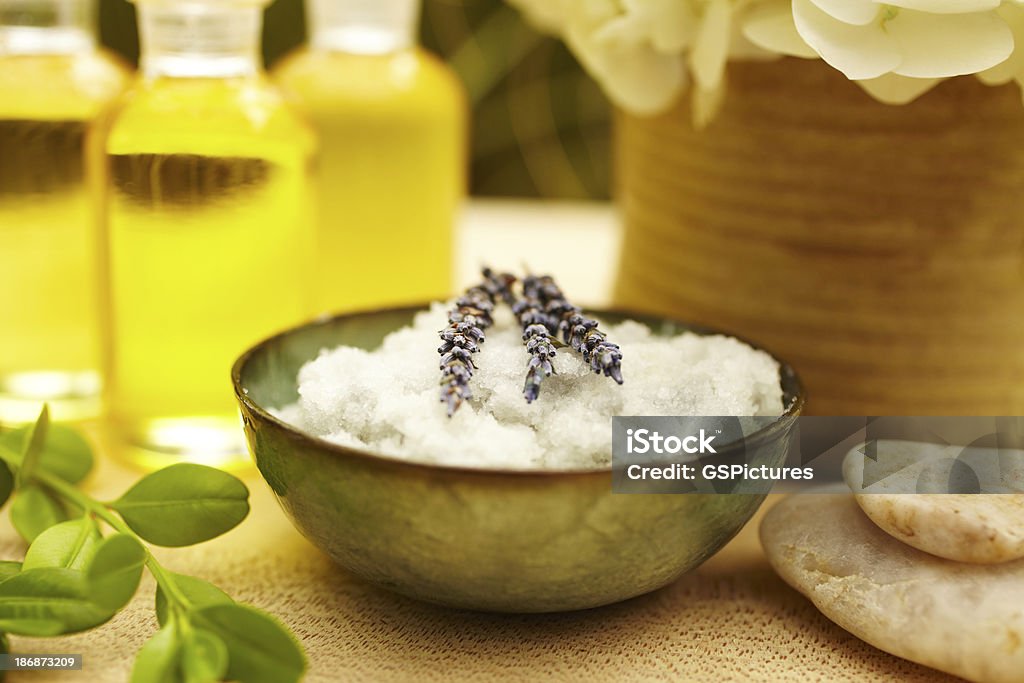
(33, 449)
(66, 453)
(114, 573)
(157, 660)
(170, 656)
(34, 511)
(204, 657)
(6, 482)
(33, 627)
(48, 601)
(260, 649)
(9, 569)
(199, 594)
(184, 504)
(68, 544)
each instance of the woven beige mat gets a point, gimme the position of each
(732, 619)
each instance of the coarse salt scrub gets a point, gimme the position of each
(386, 400)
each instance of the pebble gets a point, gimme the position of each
(964, 619)
(967, 527)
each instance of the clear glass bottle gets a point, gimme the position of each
(391, 119)
(208, 237)
(54, 82)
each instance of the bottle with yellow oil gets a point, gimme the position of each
(208, 239)
(392, 125)
(54, 82)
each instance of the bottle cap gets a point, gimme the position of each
(47, 26)
(200, 38)
(363, 26)
(207, 3)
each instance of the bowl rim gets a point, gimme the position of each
(787, 376)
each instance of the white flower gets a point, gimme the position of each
(667, 25)
(619, 54)
(916, 38)
(1013, 68)
(643, 52)
(771, 25)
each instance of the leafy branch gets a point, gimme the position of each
(74, 577)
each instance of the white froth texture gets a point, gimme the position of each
(388, 400)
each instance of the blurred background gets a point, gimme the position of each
(540, 127)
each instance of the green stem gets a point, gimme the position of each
(70, 493)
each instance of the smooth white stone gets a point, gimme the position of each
(964, 619)
(979, 528)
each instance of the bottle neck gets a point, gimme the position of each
(370, 27)
(183, 39)
(47, 26)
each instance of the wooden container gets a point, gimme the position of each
(879, 249)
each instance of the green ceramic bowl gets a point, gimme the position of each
(505, 541)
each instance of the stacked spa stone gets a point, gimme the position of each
(934, 578)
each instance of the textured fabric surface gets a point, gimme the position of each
(732, 619)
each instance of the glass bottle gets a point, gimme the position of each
(391, 120)
(208, 238)
(54, 82)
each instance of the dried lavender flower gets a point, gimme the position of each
(577, 330)
(472, 314)
(538, 337)
(499, 285)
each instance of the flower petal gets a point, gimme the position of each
(894, 89)
(705, 105)
(671, 23)
(670, 32)
(858, 51)
(636, 78)
(946, 6)
(858, 12)
(741, 49)
(770, 26)
(622, 30)
(997, 75)
(941, 45)
(1007, 70)
(711, 46)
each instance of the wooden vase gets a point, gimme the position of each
(879, 249)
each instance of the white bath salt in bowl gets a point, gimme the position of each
(388, 400)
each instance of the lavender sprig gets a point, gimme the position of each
(577, 330)
(537, 335)
(473, 313)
